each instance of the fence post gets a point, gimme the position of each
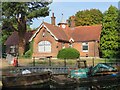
(33, 61)
(49, 61)
(64, 62)
(93, 61)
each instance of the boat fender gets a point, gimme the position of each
(26, 71)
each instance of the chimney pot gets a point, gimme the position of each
(53, 19)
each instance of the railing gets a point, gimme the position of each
(54, 70)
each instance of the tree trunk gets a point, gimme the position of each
(21, 34)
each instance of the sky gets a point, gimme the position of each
(71, 8)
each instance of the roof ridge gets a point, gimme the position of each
(89, 26)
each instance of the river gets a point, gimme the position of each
(50, 86)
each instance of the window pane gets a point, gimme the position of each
(47, 49)
(41, 49)
(41, 43)
(44, 46)
(85, 47)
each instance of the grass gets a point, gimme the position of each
(54, 62)
(69, 62)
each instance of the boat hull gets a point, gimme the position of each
(26, 80)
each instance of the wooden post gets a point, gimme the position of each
(17, 61)
(93, 61)
(33, 61)
(49, 61)
(78, 64)
(64, 62)
(85, 64)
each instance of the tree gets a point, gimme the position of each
(20, 13)
(88, 17)
(109, 35)
(118, 29)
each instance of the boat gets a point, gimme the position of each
(101, 69)
(100, 74)
(27, 79)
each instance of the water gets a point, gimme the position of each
(50, 86)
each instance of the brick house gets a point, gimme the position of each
(48, 39)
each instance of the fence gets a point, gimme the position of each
(54, 70)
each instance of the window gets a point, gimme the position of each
(12, 49)
(44, 46)
(63, 45)
(70, 45)
(85, 47)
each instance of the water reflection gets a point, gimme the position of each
(50, 86)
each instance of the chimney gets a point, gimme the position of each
(53, 19)
(72, 22)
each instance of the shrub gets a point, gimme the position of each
(68, 53)
(28, 54)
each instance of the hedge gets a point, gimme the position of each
(68, 53)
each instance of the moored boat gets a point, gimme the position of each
(100, 74)
(26, 79)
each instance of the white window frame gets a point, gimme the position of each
(85, 44)
(44, 47)
(12, 49)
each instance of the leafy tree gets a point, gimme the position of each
(118, 29)
(109, 35)
(20, 13)
(88, 17)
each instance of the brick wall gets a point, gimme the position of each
(92, 49)
(56, 46)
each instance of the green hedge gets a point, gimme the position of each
(68, 53)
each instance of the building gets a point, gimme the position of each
(48, 39)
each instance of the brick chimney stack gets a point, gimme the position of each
(53, 19)
(72, 22)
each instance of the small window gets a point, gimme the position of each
(70, 45)
(85, 47)
(63, 45)
(12, 49)
(44, 46)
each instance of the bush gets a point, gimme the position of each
(68, 53)
(28, 54)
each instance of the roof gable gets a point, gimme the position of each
(13, 39)
(55, 31)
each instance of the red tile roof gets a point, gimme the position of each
(86, 33)
(14, 39)
(78, 34)
(57, 31)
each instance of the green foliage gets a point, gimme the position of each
(28, 54)
(19, 15)
(68, 53)
(12, 11)
(109, 35)
(88, 17)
